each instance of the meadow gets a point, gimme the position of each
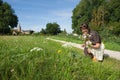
(36, 58)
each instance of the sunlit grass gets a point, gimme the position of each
(112, 46)
(51, 62)
(68, 38)
(109, 44)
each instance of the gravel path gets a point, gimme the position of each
(109, 53)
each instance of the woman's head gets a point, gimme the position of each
(84, 28)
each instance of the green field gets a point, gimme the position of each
(36, 58)
(110, 44)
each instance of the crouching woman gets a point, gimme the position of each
(93, 46)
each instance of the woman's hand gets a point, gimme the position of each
(83, 45)
(89, 51)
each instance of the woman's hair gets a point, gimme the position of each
(84, 26)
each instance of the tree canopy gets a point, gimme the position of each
(8, 18)
(51, 28)
(99, 14)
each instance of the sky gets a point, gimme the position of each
(35, 14)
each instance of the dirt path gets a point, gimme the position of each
(110, 53)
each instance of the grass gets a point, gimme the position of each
(54, 62)
(68, 38)
(110, 44)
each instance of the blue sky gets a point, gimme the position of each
(35, 14)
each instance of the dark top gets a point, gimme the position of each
(94, 38)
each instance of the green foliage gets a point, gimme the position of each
(1, 2)
(83, 12)
(113, 7)
(51, 28)
(7, 17)
(114, 27)
(98, 13)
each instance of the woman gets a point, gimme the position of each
(96, 49)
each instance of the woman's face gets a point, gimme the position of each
(84, 31)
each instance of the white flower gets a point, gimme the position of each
(86, 36)
(39, 49)
(36, 49)
(31, 50)
(12, 70)
(88, 44)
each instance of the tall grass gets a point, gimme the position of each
(54, 62)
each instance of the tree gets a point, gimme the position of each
(113, 6)
(83, 13)
(7, 17)
(52, 28)
(99, 14)
(1, 2)
(43, 31)
(64, 31)
(98, 19)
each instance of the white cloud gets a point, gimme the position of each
(62, 13)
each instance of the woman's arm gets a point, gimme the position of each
(96, 46)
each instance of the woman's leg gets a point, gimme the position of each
(86, 52)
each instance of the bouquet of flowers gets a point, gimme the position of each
(86, 38)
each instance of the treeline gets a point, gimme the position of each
(101, 15)
(8, 18)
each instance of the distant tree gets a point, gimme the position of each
(52, 28)
(31, 31)
(43, 31)
(64, 31)
(1, 2)
(7, 17)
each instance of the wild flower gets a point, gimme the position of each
(88, 44)
(59, 51)
(39, 49)
(12, 70)
(86, 38)
(36, 49)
